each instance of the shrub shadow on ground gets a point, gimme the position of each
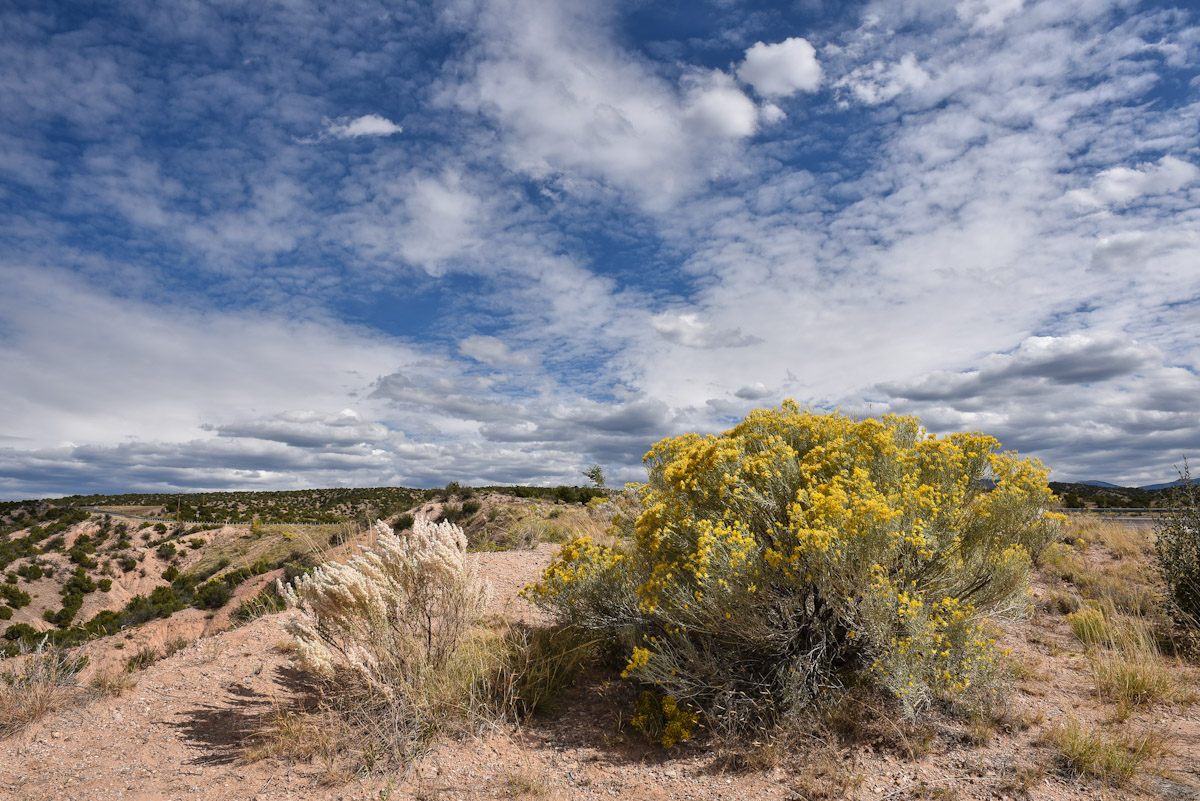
(224, 726)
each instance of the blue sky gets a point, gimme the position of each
(284, 244)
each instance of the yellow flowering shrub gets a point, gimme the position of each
(661, 718)
(770, 560)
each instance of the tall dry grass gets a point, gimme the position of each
(43, 681)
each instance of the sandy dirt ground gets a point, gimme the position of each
(179, 734)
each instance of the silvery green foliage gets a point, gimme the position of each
(390, 612)
(1177, 548)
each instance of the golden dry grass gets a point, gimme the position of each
(43, 682)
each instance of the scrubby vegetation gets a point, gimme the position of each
(396, 633)
(42, 683)
(1177, 548)
(800, 552)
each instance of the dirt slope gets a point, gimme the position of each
(178, 735)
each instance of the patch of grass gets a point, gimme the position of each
(174, 646)
(111, 684)
(1090, 626)
(1132, 673)
(1115, 759)
(1062, 602)
(301, 735)
(537, 666)
(43, 681)
(1126, 586)
(146, 655)
(528, 784)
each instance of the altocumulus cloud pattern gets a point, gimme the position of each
(286, 245)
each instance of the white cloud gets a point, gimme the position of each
(690, 331)
(1176, 252)
(716, 107)
(880, 81)
(987, 14)
(755, 391)
(1121, 185)
(771, 113)
(574, 110)
(366, 125)
(493, 351)
(781, 69)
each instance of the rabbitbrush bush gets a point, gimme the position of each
(1177, 549)
(798, 549)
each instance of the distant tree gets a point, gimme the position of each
(596, 474)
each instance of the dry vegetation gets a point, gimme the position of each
(1094, 699)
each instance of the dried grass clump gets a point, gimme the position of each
(1090, 626)
(43, 683)
(394, 633)
(111, 684)
(1115, 759)
(1132, 672)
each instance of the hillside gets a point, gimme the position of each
(1095, 495)
(76, 575)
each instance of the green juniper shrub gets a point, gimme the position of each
(16, 598)
(212, 594)
(6, 613)
(20, 631)
(31, 571)
(103, 623)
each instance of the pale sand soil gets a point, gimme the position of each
(178, 734)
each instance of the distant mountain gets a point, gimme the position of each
(1094, 483)
(1176, 483)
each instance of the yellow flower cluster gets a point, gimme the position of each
(663, 719)
(578, 562)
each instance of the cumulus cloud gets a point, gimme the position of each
(715, 106)
(689, 330)
(781, 69)
(493, 351)
(1122, 185)
(366, 125)
(755, 391)
(987, 14)
(880, 81)
(576, 111)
